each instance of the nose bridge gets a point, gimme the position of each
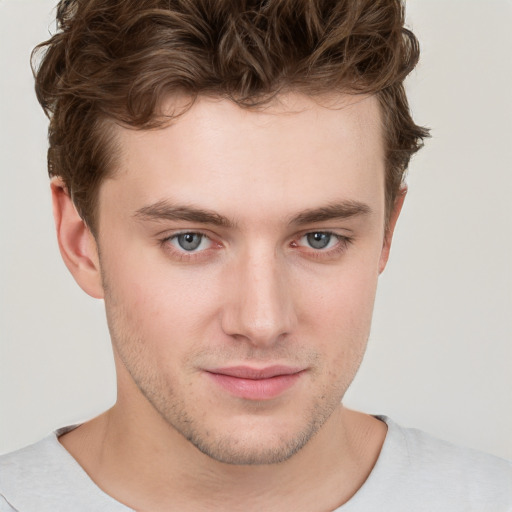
(261, 307)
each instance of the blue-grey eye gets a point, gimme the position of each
(189, 241)
(318, 240)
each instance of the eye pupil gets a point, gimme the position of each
(319, 240)
(189, 241)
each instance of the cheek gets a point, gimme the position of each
(165, 304)
(160, 304)
(342, 300)
(337, 315)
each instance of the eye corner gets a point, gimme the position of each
(332, 245)
(189, 246)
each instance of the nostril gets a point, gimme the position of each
(259, 308)
(262, 323)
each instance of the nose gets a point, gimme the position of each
(259, 305)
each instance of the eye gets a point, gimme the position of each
(319, 240)
(324, 246)
(190, 242)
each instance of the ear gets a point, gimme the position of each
(76, 242)
(388, 235)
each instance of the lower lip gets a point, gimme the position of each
(256, 389)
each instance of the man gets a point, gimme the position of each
(227, 176)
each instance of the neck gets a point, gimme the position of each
(137, 458)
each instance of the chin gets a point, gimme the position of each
(254, 441)
(250, 452)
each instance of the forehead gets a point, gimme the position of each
(295, 153)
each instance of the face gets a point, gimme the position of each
(240, 252)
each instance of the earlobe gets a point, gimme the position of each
(76, 242)
(388, 236)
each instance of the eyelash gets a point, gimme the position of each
(343, 242)
(184, 255)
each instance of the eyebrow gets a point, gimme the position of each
(333, 211)
(163, 210)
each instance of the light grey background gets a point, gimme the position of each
(440, 353)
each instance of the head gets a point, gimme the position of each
(116, 62)
(236, 169)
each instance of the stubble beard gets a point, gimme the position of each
(244, 449)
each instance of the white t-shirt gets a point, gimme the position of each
(414, 473)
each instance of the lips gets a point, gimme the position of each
(256, 383)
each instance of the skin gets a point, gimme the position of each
(255, 293)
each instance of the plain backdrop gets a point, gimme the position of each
(440, 352)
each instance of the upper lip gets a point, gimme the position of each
(247, 372)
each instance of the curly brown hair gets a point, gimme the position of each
(114, 61)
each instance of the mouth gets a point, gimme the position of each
(256, 383)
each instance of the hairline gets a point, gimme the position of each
(108, 130)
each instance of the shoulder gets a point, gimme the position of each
(4, 505)
(19, 464)
(23, 473)
(426, 453)
(44, 476)
(445, 473)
